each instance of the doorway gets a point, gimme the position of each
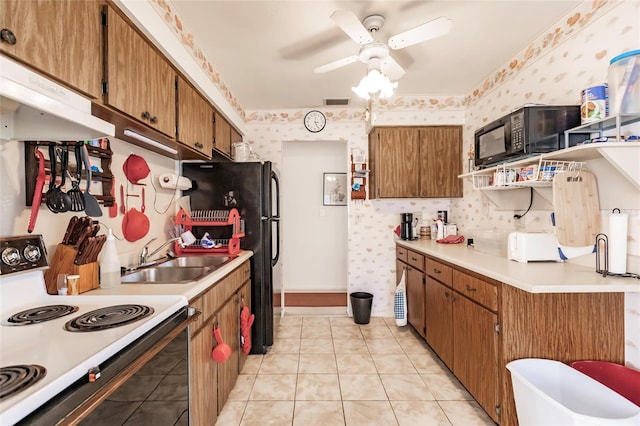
(314, 235)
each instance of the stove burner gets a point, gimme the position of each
(109, 317)
(40, 314)
(16, 378)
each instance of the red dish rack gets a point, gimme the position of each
(230, 246)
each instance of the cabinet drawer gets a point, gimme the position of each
(416, 260)
(475, 289)
(439, 271)
(401, 253)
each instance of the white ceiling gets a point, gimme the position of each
(266, 51)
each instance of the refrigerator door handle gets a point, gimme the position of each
(276, 256)
(276, 182)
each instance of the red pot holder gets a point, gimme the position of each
(246, 321)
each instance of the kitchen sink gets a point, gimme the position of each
(196, 261)
(166, 275)
(180, 270)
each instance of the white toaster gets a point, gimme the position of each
(532, 247)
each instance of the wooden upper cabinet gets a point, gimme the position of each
(440, 162)
(393, 156)
(222, 142)
(140, 81)
(195, 117)
(59, 38)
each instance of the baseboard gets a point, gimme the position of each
(292, 299)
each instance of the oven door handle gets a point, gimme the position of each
(130, 368)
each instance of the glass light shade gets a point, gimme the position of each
(375, 83)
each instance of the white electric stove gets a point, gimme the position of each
(64, 357)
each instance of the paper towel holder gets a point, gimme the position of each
(602, 253)
(171, 181)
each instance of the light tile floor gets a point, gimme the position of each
(327, 370)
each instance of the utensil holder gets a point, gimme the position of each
(62, 263)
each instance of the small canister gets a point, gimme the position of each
(425, 232)
(594, 103)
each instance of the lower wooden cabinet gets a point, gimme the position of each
(475, 359)
(203, 398)
(439, 313)
(412, 264)
(477, 325)
(211, 382)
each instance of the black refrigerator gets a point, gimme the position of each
(253, 189)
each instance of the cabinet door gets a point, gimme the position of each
(476, 358)
(141, 83)
(440, 162)
(60, 38)
(223, 135)
(416, 299)
(203, 400)
(195, 116)
(395, 162)
(228, 321)
(439, 315)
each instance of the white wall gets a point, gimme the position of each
(314, 236)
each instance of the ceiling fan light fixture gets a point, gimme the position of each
(375, 83)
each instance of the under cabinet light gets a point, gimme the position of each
(149, 141)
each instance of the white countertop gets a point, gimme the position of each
(534, 277)
(188, 290)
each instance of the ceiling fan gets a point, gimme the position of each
(376, 53)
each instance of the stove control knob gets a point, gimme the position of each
(11, 256)
(32, 253)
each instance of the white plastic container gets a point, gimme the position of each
(624, 83)
(549, 392)
(109, 264)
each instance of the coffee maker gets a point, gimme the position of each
(406, 226)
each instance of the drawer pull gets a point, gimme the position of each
(437, 271)
(470, 288)
(415, 259)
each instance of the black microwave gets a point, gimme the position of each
(527, 131)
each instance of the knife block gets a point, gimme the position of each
(62, 263)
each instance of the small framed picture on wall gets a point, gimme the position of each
(334, 189)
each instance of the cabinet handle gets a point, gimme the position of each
(8, 36)
(199, 145)
(145, 115)
(437, 271)
(154, 120)
(470, 288)
(415, 259)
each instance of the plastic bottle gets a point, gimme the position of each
(109, 264)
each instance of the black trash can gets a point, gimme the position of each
(361, 305)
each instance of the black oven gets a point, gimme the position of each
(129, 384)
(527, 131)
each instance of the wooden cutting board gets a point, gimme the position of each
(577, 208)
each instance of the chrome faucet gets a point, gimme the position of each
(144, 254)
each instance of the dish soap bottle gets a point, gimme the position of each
(109, 263)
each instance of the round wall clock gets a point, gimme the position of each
(315, 121)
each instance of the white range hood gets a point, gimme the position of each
(35, 108)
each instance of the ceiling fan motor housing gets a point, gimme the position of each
(373, 50)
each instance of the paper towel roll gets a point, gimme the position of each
(618, 242)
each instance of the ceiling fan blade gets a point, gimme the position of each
(427, 31)
(391, 68)
(336, 64)
(351, 25)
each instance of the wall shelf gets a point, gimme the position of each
(615, 165)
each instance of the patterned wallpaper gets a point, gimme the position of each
(553, 69)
